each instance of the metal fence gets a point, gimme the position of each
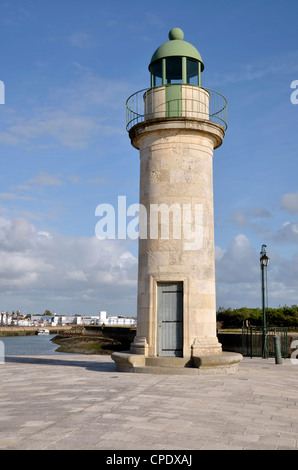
(193, 105)
(257, 342)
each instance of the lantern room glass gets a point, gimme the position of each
(156, 74)
(171, 70)
(192, 72)
(174, 70)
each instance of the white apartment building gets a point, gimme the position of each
(59, 320)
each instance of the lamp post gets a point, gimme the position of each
(264, 262)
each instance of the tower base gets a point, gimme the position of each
(224, 363)
(139, 346)
(206, 346)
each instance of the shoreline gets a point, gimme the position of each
(99, 340)
(75, 339)
(94, 341)
(7, 331)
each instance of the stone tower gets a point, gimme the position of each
(175, 124)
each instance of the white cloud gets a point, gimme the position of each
(288, 233)
(289, 203)
(247, 217)
(77, 275)
(68, 274)
(11, 196)
(240, 219)
(239, 263)
(238, 276)
(80, 114)
(45, 179)
(219, 252)
(81, 39)
(7, 138)
(74, 178)
(73, 131)
(256, 71)
(258, 212)
(155, 20)
(46, 268)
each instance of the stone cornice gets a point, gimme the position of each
(185, 124)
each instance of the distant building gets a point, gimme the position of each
(120, 321)
(59, 320)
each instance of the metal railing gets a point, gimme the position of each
(140, 107)
(259, 342)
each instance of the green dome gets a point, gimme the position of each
(176, 47)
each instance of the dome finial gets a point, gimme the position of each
(176, 33)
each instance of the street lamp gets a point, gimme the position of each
(264, 262)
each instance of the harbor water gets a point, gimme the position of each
(34, 345)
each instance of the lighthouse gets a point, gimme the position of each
(176, 124)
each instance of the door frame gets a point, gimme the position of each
(173, 328)
(152, 325)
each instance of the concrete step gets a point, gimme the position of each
(165, 361)
(225, 363)
(166, 370)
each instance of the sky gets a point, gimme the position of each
(68, 67)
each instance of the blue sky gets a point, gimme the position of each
(68, 67)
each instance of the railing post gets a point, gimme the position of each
(277, 351)
(251, 347)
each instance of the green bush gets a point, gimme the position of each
(280, 316)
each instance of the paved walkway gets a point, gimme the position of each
(82, 402)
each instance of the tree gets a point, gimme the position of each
(48, 313)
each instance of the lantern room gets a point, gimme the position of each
(176, 61)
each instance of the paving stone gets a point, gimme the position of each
(82, 402)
